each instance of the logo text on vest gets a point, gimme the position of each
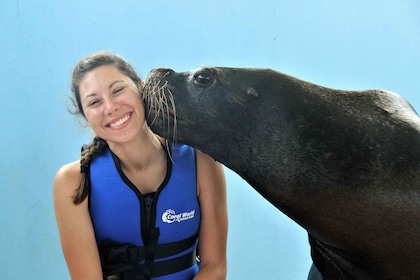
(170, 216)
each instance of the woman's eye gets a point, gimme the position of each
(93, 103)
(118, 90)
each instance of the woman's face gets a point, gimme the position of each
(112, 105)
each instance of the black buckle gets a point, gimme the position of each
(113, 277)
(115, 253)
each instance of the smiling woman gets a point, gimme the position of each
(112, 106)
(112, 205)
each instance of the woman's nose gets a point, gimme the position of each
(111, 107)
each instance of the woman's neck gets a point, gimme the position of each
(140, 153)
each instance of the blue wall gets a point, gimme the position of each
(347, 45)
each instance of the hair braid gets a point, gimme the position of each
(88, 154)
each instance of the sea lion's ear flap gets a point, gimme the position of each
(252, 92)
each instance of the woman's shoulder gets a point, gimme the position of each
(69, 169)
(68, 177)
(208, 169)
(201, 156)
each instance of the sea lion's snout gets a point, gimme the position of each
(159, 73)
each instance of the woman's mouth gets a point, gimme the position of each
(120, 121)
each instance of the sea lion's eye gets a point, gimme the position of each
(202, 79)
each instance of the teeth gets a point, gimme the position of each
(119, 122)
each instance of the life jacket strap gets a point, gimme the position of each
(157, 268)
(120, 257)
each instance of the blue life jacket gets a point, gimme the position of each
(152, 236)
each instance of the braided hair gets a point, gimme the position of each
(98, 145)
(88, 154)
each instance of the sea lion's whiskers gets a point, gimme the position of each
(153, 100)
(166, 100)
(174, 124)
(160, 103)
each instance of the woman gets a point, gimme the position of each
(133, 207)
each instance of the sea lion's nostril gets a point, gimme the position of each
(168, 72)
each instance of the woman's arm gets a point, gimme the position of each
(75, 226)
(214, 220)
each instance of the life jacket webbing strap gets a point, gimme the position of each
(157, 268)
(118, 257)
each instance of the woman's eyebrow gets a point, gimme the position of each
(89, 95)
(113, 83)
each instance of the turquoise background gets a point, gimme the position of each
(339, 44)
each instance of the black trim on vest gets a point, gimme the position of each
(149, 234)
(145, 227)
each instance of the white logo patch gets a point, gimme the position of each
(170, 216)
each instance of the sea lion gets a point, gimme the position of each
(345, 165)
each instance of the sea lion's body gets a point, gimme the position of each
(345, 165)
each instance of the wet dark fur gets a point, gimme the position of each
(345, 165)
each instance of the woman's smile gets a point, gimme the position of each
(120, 122)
